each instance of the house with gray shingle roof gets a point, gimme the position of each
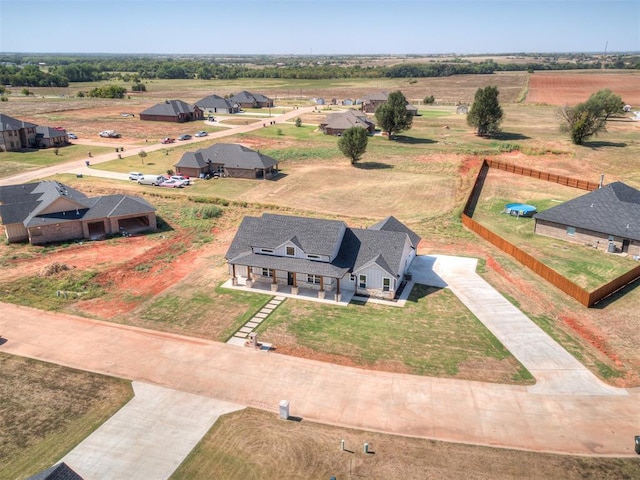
(51, 137)
(323, 255)
(50, 211)
(61, 471)
(373, 100)
(336, 123)
(16, 134)
(251, 100)
(216, 104)
(172, 111)
(227, 160)
(607, 218)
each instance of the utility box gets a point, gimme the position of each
(284, 409)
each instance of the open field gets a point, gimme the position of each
(168, 280)
(252, 444)
(46, 410)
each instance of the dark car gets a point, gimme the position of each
(184, 136)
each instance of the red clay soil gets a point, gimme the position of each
(557, 88)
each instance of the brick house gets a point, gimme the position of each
(49, 211)
(246, 99)
(172, 111)
(336, 123)
(16, 134)
(216, 104)
(607, 219)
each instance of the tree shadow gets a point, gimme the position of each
(505, 136)
(600, 144)
(372, 166)
(411, 140)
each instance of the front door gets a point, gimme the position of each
(625, 245)
(289, 278)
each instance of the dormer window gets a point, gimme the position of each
(291, 251)
(266, 250)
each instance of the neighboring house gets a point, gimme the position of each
(373, 101)
(412, 110)
(251, 100)
(216, 104)
(347, 101)
(16, 134)
(324, 255)
(61, 471)
(227, 160)
(172, 111)
(49, 211)
(336, 123)
(607, 218)
(462, 109)
(51, 137)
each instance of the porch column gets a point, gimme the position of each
(274, 282)
(294, 288)
(249, 282)
(321, 291)
(234, 279)
(338, 296)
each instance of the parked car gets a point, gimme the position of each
(201, 134)
(72, 136)
(171, 183)
(181, 178)
(168, 140)
(109, 134)
(184, 136)
(154, 180)
(135, 175)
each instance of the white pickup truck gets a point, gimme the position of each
(109, 134)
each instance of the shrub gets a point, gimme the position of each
(210, 212)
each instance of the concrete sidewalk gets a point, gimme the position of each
(149, 437)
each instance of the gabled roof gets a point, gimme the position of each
(230, 155)
(48, 132)
(8, 123)
(392, 224)
(248, 97)
(376, 97)
(214, 101)
(117, 206)
(612, 210)
(348, 119)
(61, 471)
(169, 108)
(363, 247)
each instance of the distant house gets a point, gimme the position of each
(227, 160)
(336, 123)
(216, 104)
(347, 101)
(324, 255)
(61, 471)
(412, 110)
(49, 211)
(16, 134)
(251, 100)
(607, 219)
(462, 109)
(172, 111)
(51, 137)
(371, 102)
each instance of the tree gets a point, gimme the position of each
(392, 115)
(486, 113)
(298, 122)
(429, 100)
(607, 102)
(353, 143)
(142, 154)
(583, 120)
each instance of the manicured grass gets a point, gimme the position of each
(584, 265)
(434, 334)
(46, 410)
(252, 444)
(16, 162)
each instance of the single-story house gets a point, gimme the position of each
(336, 123)
(324, 255)
(16, 134)
(607, 218)
(172, 111)
(347, 101)
(216, 104)
(51, 137)
(371, 102)
(227, 160)
(412, 110)
(251, 100)
(462, 109)
(49, 211)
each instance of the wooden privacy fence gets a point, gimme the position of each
(588, 299)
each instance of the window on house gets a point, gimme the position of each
(266, 250)
(352, 277)
(362, 283)
(571, 231)
(267, 272)
(386, 284)
(291, 251)
(313, 279)
(313, 256)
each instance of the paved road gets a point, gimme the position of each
(78, 165)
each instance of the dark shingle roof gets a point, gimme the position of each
(248, 97)
(230, 155)
(348, 119)
(61, 471)
(392, 224)
(170, 108)
(383, 248)
(48, 132)
(8, 123)
(214, 101)
(612, 210)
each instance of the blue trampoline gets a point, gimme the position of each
(520, 209)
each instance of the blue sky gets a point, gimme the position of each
(302, 27)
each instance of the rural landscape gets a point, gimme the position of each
(170, 281)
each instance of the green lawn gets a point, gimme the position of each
(16, 162)
(434, 334)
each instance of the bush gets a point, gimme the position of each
(210, 212)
